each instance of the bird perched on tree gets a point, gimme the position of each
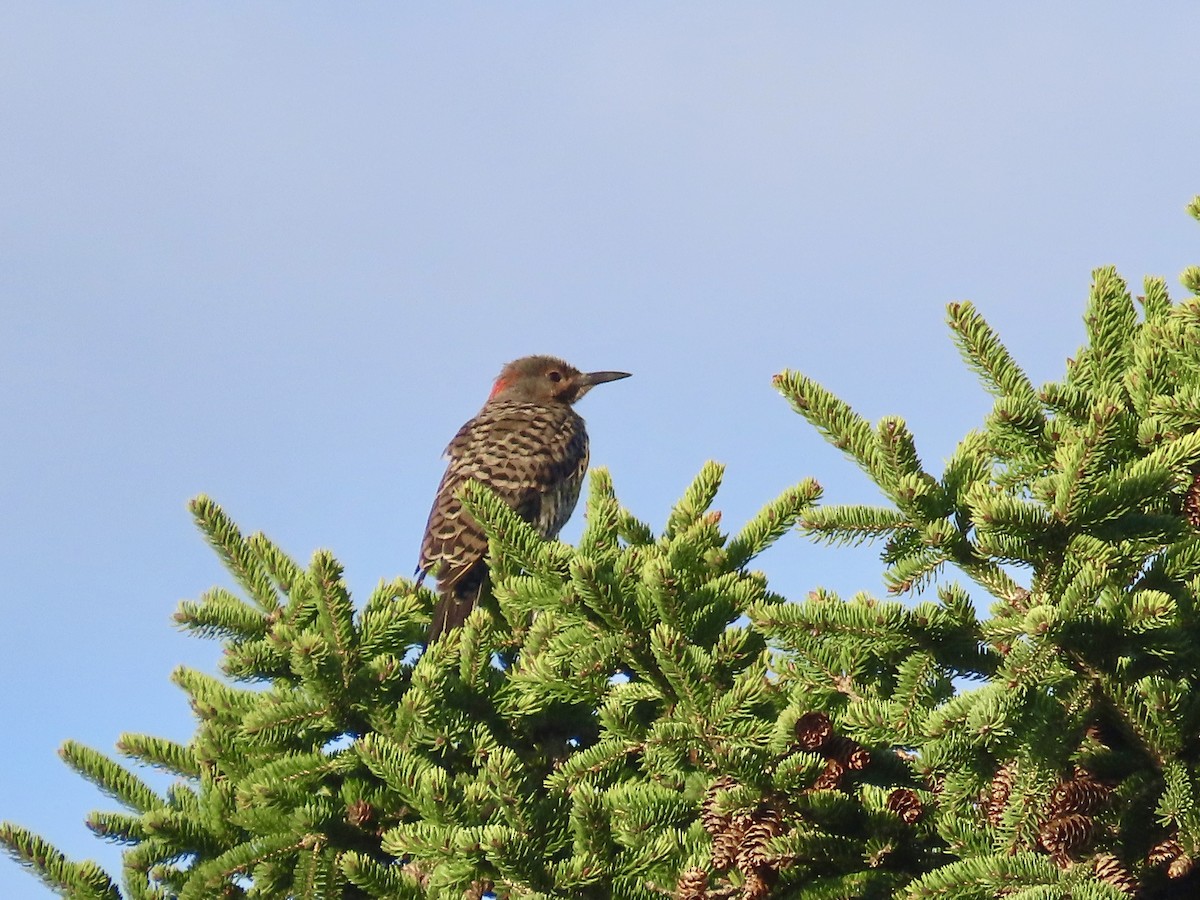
(531, 448)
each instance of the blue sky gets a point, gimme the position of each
(277, 252)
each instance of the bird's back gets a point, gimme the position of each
(533, 456)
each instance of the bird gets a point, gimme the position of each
(529, 446)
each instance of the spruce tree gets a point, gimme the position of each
(641, 716)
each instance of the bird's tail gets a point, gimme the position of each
(454, 605)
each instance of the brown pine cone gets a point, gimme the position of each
(1164, 852)
(692, 885)
(998, 794)
(1170, 852)
(850, 753)
(1191, 503)
(831, 778)
(1110, 870)
(1065, 834)
(764, 825)
(905, 804)
(727, 844)
(713, 821)
(757, 884)
(813, 730)
(1181, 866)
(1082, 794)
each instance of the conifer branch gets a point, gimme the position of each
(852, 524)
(772, 522)
(168, 755)
(83, 880)
(600, 596)
(1177, 413)
(379, 880)
(208, 878)
(834, 419)
(119, 783)
(987, 356)
(1190, 279)
(219, 614)
(1111, 326)
(277, 720)
(117, 827)
(335, 614)
(387, 625)
(898, 450)
(513, 540)
(696, 500)
(1068, 400)
(239, 559)
(1193, 208)
(911, 571)
(280, 567)
(603, 518)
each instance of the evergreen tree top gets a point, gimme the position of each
(642, 716)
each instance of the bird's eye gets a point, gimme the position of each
(554, 376)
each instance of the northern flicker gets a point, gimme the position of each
(531, 448)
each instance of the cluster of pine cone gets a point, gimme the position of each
(740, 841)
(1068, 827)
(1191, 502)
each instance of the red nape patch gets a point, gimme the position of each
(501, 384)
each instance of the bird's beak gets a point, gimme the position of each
(590, 379)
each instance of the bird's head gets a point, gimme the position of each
(546, 379)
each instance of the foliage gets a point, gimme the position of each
(641, 716)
